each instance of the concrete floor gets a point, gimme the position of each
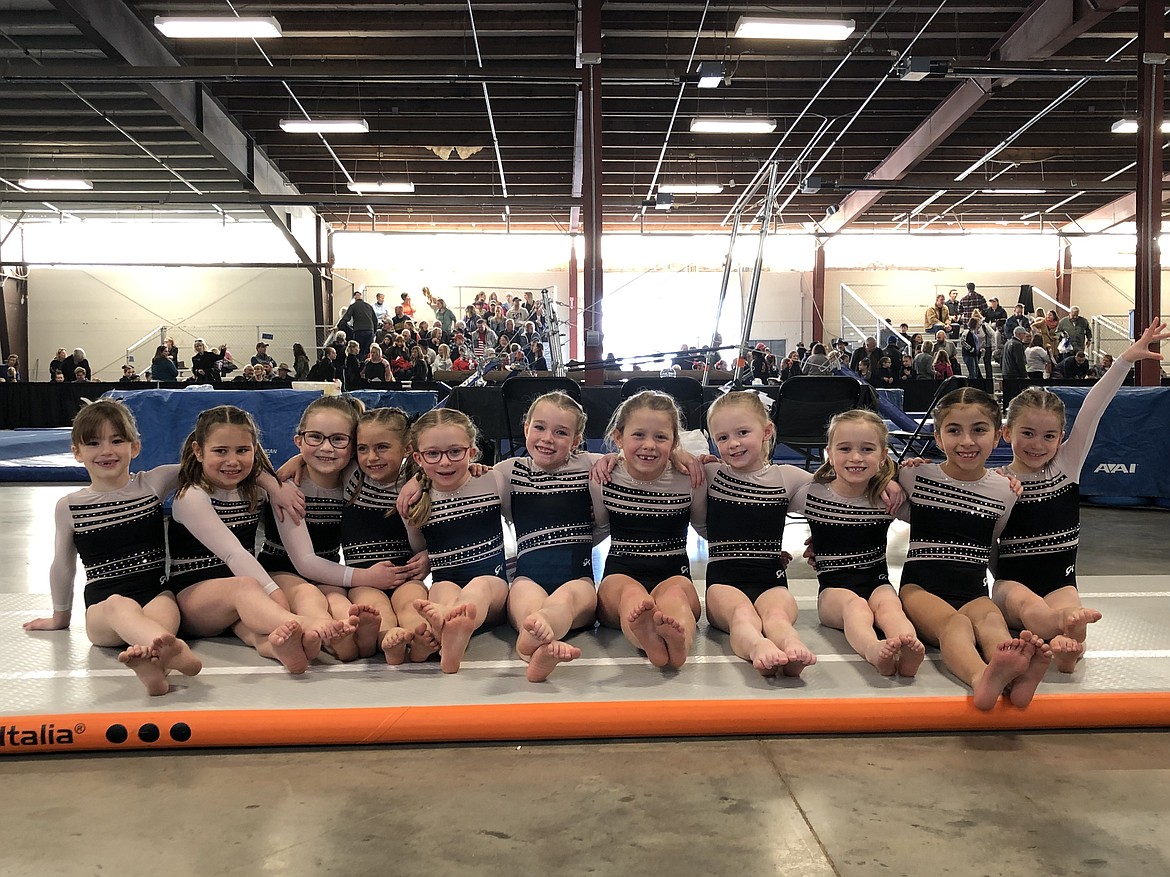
(963, 804)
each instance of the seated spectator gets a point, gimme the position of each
(57, 363)
(883, 375)
(80, 376)
(246, 376)
(399, 318)
(1075, 367)
(59, 377)
(1038, 359)
(792, 366)
(12, 368)
(376, 369)
(443, 362)
(205, 363)
(420, 366)
(128, 375)
(818, 361)
(325, 369)
(262, 354)
(162, 367)
(462, 363)
(1101, 367)
(942, 365)
(863, 368)
(539, 362)
(284, 373)
(907, 371)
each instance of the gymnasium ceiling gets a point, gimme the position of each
(170, 128)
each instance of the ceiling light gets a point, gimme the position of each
(325, 126)
(1130, 126)
(368, 186)
(732, 125)
(751, 27)
(56, 184)
(691, 188)
(711, 74)
(1013, 191)
(217, 27)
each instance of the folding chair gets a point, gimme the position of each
(687, 392)
(919, 442)
(805, 405)
(517, 394)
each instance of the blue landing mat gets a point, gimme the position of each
(38, 455)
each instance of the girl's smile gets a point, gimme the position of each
(228, 456)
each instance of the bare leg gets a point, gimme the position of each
(1024, 686)
(845, 610)
(889, 616)
(676, 617)
(546, 658)
(730, 610)
(542, 620)
(422, 642)
(777, 608)
(624, 603)
(1068, 646)
(147, 668)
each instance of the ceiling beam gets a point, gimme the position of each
(1044, 29)
(1108, 215)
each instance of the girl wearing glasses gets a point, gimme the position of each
(458, 518)
(304, 559)
(218, 583)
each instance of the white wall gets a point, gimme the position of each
(103, 310)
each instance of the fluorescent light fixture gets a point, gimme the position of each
(368, 186)
(732, 125)
(691, 188)
(711, 74)
(1130, 126)
(754, 28)
(217, 27)
(325, 126)
(55, 184)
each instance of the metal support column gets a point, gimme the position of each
(818, 293)
(1151, 93)
(716, 338)
(750, 311)
(591, 185)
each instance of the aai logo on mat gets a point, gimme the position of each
(1117, 468)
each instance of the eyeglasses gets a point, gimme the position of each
(315, 439)
(453, 454)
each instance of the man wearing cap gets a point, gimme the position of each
(360, 321)
(262, 356)
(283, 372)
(1077, 329)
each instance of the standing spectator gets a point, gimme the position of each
(57, 364)
(172, 351)
(923, 362)
(379, 306)
(352, 376)
(1018, 318)
(338, 344)
(970, 303)
(972, 341)
(1015, 361)
(262, 356)
(205, 363)
(300, 362)
(539, 362)
(1039, 360)
(12, 368)
(407, 306)
(442, 313)
(162, 367)
(360, 320)
(325, 368)
(128, 375)
(77, 361)
(1078, 330)
(942, 365)
(1045, 325)
(869, 352)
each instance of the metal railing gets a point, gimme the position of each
(1110, 335)
(860, 321)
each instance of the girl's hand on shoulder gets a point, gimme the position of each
(893, 497)
(913, 463)
(1155, 333)
(58, 621)
(288, 502)
(602, 471)
(1014, 483)
(478, 469)
(292, 469)
(690, 465)
(410, 493)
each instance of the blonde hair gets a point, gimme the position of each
(565, 402)
(751, 401)
(885, 473)
(87, 425)
(191, 472)
(396, 421)
(347, 406)
(1034, 399)
(652, 399)
(420, 512)
(967, 396)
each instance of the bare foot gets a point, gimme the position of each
(1074, 621)
(767, 657)
(366, 619)
(394, 644)
(799, 656)
(424, 644)
(1067, 652)
(911, 656)
(883, 655)
(1010, 660)
(174, 654)
(458, 626)
(434, 614)
(1025, 685)
(288, 647)
(547, 656)
(674, 635)
(147, 668)
(534, 633)
(641, 622)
